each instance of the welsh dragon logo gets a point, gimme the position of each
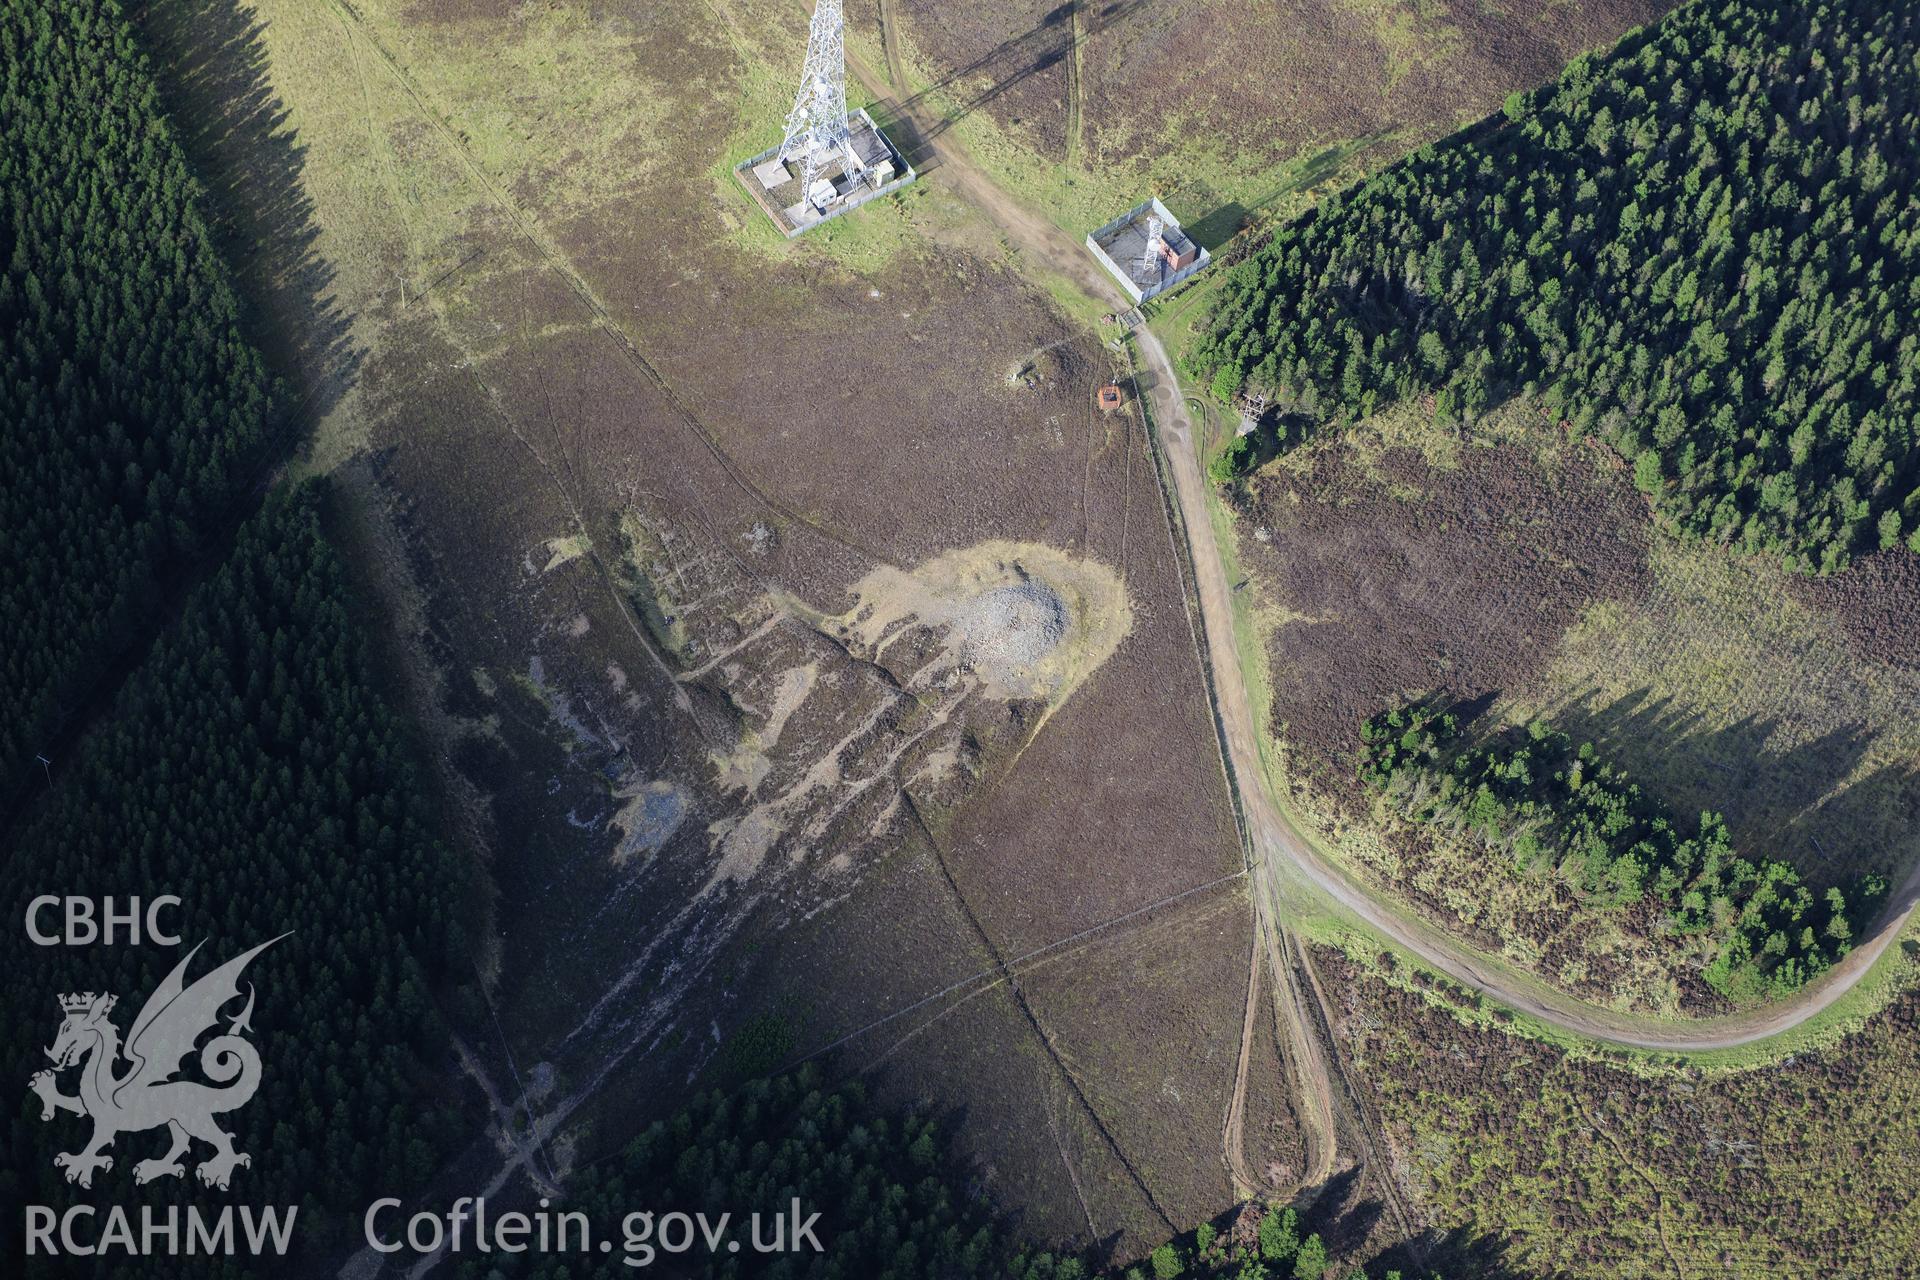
(145, 1095)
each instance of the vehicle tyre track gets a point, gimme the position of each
(1233, 1135)
(1312, 1094)
(1075, 146)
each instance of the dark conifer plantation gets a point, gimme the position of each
(247, 764)
(132, 404)
(1703, 245)
(893, 1198)
(251, 768)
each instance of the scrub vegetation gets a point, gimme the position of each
(882, 1193)
(1591, 1167)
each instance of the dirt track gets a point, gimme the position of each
(1276, 842)
(1054, 250)
(1027, 231)
(1280, 843)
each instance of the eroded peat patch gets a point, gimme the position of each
(1026, 619)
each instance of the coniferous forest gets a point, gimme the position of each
(247, 763)
(1534, 797)
(251, 768)
(133, 405)
(1702, 245)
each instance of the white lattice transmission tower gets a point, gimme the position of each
(1152, 251)
(817, 125)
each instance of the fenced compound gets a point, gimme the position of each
(778, 186)
(1146, 251)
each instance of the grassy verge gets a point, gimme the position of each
(1179, 317)
(1896, 971)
